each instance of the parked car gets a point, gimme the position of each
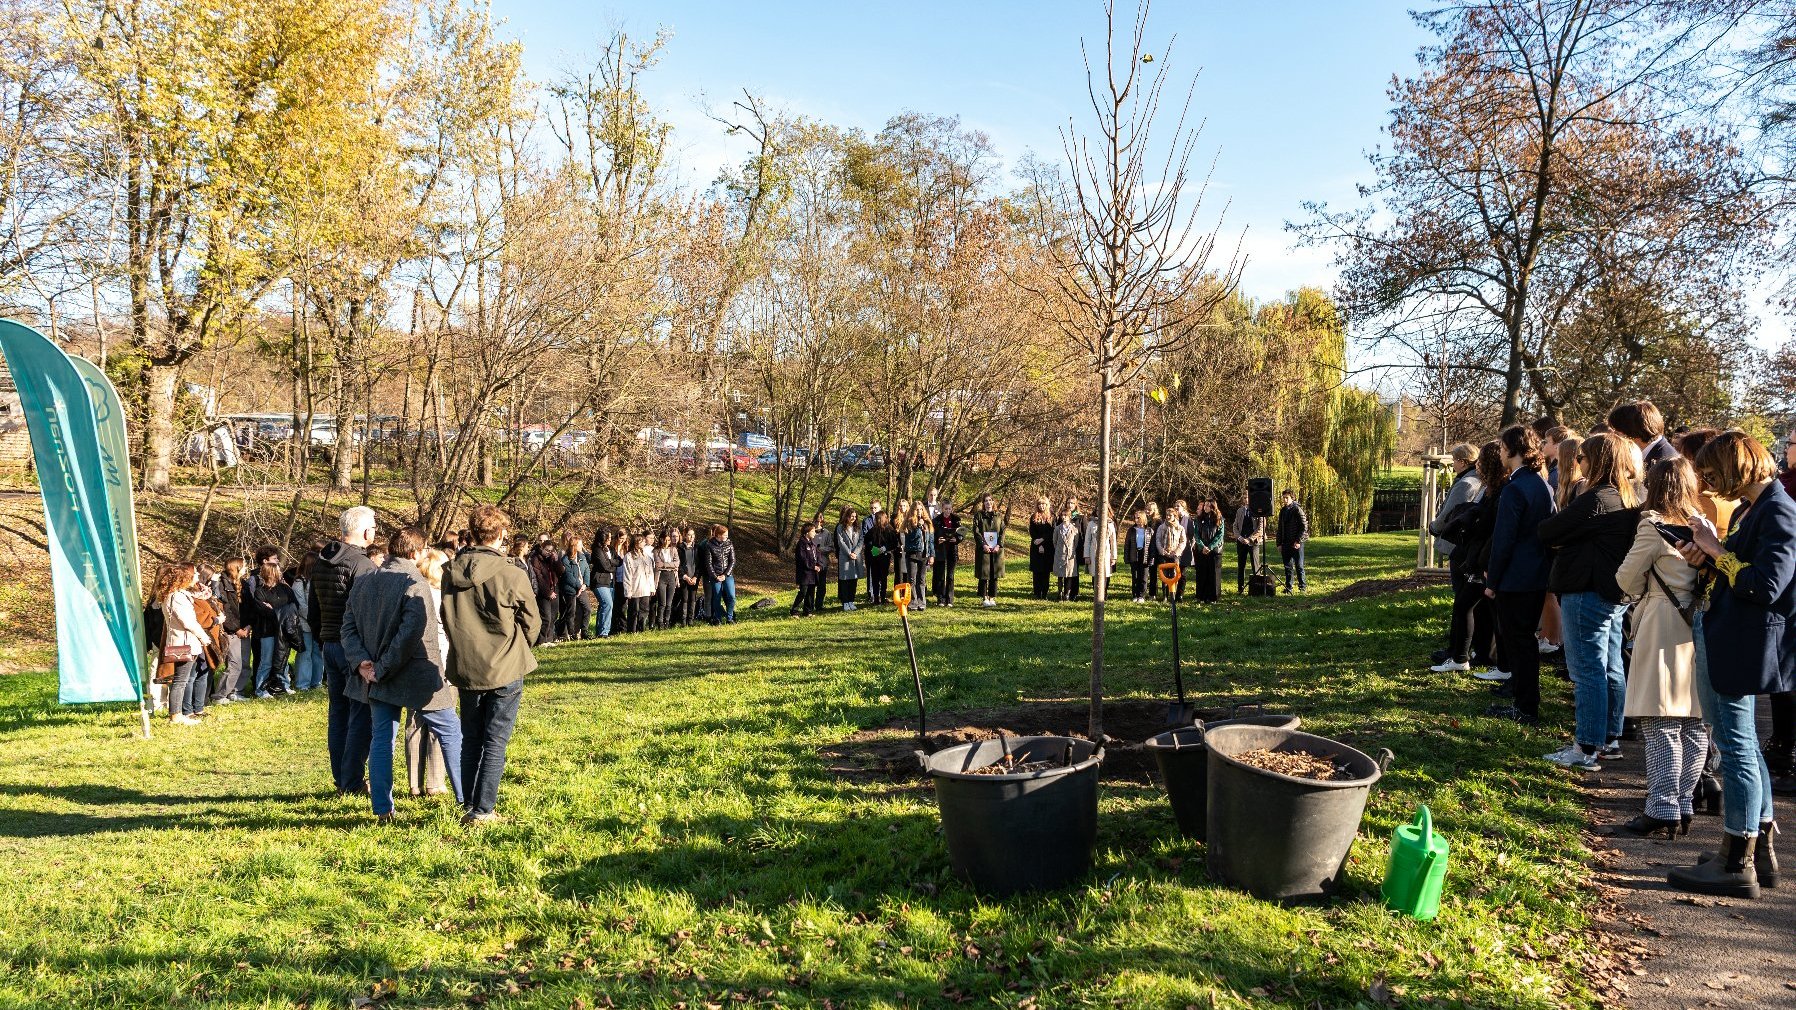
(735, 459)
(795, 459)
(860, 456)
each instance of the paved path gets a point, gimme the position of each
(1675, 950)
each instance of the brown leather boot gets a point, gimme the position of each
(1732, 875)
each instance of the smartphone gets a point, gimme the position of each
(1676, 536)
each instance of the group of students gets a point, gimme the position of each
(1662, 568)
(629, 581)
(401, 634)
(923, 539)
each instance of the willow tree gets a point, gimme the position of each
(1134, 265)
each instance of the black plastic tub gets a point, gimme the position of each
(1275, 836)
(1184, 764)
(1011, 833)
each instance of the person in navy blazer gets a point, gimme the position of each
(1746, 645)
(1517, 576)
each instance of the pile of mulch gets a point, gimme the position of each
(888, 752)
(1295, 763)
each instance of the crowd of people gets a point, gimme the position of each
(1660, 567)
(401, 634)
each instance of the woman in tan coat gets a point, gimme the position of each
(1661, 689)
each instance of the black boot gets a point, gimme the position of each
(1779, 756)
(1707, 796)
(1731, 876)
(1644, 825)
(1764, 856)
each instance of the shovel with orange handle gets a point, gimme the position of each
(901, 596)
(1178, 713)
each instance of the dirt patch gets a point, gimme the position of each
(888, 752)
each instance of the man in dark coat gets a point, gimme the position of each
(1293, 533)
(347, 720)
(389, 635)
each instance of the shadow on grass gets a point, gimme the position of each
(135, 810)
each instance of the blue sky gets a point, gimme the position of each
(1293, 93)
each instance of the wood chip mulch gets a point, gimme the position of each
(1295, 763)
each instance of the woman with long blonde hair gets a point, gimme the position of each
(1591, 536)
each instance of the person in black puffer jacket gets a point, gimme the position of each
(1590, 537)
(349, 725)
(1471, 635)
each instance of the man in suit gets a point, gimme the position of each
(1641, 423)
(1519, 564)
(1249, 533)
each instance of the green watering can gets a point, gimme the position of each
(1418, 868)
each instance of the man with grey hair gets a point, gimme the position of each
(349, 727)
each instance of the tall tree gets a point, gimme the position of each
(1532, 160)
(222, 110)
(1135, 263)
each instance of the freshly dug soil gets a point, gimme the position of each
(1295, 763)
(887, 752)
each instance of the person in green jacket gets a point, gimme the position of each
(491, 616)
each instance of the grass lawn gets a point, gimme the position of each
(672, 838)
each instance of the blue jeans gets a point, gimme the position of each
(199, 689)
(722, 595)
(1293, 557)
(347, 724)
(271, 666)
(606, 601)
(1593, 658)
(1745, 778)
(309, 671)
(487, 719)
(385, 720)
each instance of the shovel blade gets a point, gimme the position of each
(1180, 714)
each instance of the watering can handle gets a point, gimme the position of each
(1425, 821)
(1385, 757)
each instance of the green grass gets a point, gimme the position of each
(672, 838)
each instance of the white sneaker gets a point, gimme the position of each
(1492, 674)
(1450, 666)
(1573, 756)
(989, 603)
(848, 607)
(1546, 648)
(1611, 751)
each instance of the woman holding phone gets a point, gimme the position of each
(1746, 646)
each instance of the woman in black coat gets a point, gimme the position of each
(1041, 547)
(548, 567)
(602, 580)
(807, 561)
(882, 545)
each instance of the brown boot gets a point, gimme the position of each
(1730, 876)
(1764, 856)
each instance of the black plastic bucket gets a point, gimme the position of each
(1011, 833)
(1275, 836)
(1184, 764)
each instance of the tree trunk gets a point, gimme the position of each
(1101, 570)
(159, 438)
